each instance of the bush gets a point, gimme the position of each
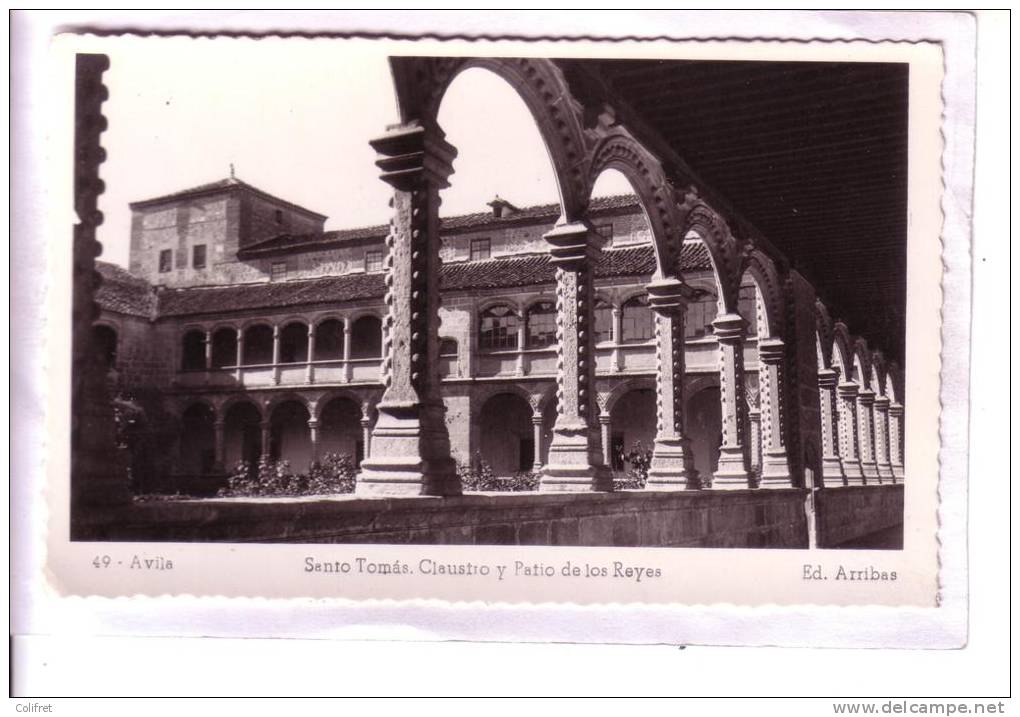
(333, 474)
(640, 460)
(479, 476)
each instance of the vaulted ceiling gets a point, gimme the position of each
(814, 155)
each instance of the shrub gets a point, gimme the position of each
(333, 474)
(640, 460)
(478, 476)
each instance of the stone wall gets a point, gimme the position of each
(851, 514)
(722, 519)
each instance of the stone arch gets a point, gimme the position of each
(506, 436)
(862, 363)
(242, 430)
(841, 351)
(620, 151)
(339, 415)
(230, 401)
(106, 343)
(625, 387)
(894, 383)
(878, 373)
(481, 395)
(765, 276)
(315, 409)
(421, 83)
(197, 445)
(271, 402)
(823, 335)
(724, 251)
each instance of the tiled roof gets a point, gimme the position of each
(222, 184)
(512, 271)
(123, 292)
(461, 222)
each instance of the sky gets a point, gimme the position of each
(295, 119)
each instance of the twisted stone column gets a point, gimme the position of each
(866, 434)
(832, 468)
(734, 467)
(775, 464)
(410, 444)
(881, 428)
(896, 441)
(672, 466)
(575, 453)
(847, 393)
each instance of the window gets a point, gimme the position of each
(498, 328)
(193, 351)
(447, 346)
(278, 271)
(541, 331)
(603, 320)
(278, 215)
(480, 249)
(373, 261)
(166, 260)
(636, 324)
(747, 307)
(198, 256)
(258, 345)
(700, 314)
(606, 232)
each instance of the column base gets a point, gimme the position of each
(853, 473)
(672, 466)
(572, 465)
(732, 473)
(775, 471)
(870, 471)
(832, 473)
(885, 474)
(897, 472)
(408, 458)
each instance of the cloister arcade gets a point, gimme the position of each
(814, 406)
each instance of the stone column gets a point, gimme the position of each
(672, 466)
(267, 437)
(575, 453)
(733, 471)
(276, 354)
(605, 424)
(614, 362)
(240, 354)
(347, 349)
(754, 421)
(847, 393)
(896, 441)
(522, 336)
(832, 469)
(410, 444)
(219, 461)
(866, 434)
(775, 464)
(881, 428)
(310, 375)
(536, 427)
(472, 343)
(366, 436)
(313, 437)
(208, 350)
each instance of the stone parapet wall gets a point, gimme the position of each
(731, 519)
(852, 513)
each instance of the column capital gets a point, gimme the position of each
(827, 378)
(847, 390)
(412, 155)
(729, 327)
(604, 419)
(895, 409)
(313, 423)
(572, 245)
(668, 297)
(771, 351)
(866, 397)
(536, 420)
(881, 403)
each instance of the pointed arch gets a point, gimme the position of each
(620, 151)
(841, 351)
(823, 334)
(421, 83)
(765, 275)
(724, 251)
(862, 363)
